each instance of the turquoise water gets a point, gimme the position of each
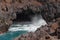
(13, 32)
(11, 35)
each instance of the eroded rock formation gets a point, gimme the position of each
(49, 9)
(9, 9)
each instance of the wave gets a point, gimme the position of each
(28, 27)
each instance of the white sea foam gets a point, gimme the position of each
(28, 27)
(31, 27)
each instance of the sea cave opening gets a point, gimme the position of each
(27, 20)
(24, 16)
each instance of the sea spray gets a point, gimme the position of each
(37, 21)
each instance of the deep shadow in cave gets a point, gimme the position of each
(24, 16)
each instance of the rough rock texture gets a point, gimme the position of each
(49, 9)
(9, 8)
(47, 32)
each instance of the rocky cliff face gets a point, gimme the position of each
(9, 9)
(49, 9)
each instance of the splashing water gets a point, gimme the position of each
(37, 21)
(17, 29)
